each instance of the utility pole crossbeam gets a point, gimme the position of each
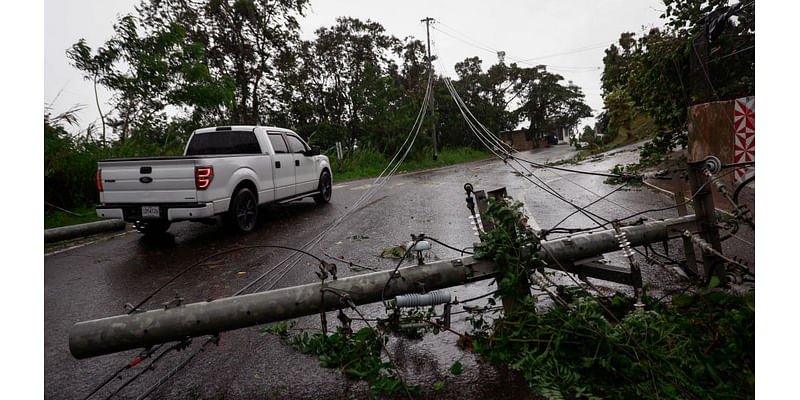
(428, 21)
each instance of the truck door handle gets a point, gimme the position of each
(277, 164)
(296, 163)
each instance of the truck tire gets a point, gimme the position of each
(325, 188)
(243, 213)
(151, 227)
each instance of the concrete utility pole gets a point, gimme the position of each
(427, 21)
(125, 332)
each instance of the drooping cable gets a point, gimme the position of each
(379, 182)
(487, 139)
(366, 196)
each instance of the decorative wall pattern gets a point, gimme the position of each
(744, 120)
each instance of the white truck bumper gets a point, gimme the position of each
(175, 214)
(171, 213)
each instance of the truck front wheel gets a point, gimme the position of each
(243, 213)
(325, 188)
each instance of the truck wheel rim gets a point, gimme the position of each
(326, 187)
(246, 213)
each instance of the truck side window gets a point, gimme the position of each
(278, 143)
(296, 144)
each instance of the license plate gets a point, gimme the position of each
(150, 211)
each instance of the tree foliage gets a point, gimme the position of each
(655, 70)
(545, 102)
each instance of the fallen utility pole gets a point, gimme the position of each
(125, 332)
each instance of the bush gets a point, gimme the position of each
(69, 169)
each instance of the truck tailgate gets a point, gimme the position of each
(147, 181)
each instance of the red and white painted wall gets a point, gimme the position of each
(744, 120)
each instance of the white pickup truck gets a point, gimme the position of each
(225, 170)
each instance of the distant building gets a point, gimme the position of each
(520, 139)
(524, 139)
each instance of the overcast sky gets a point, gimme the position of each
(568, 36)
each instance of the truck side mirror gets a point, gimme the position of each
(315, 151)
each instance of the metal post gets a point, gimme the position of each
(706, 218)
(427, 22)
(680, 203)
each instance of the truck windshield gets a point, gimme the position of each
(223, 142)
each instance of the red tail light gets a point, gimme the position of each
(203, 177)
(99, 180)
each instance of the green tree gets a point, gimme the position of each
(546, 103)
(95, 67)
(656, 74)
(484, 94)
(620, 108)
(250, 41)
(148, 69)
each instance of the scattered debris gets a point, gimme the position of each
(393, 251)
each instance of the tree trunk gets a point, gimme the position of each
(102, 117)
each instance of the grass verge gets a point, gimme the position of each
(54, 218)
(367, 164)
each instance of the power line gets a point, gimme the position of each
(499, 145)
(379, 182)
(587, 206)
(492, 50)
(732, 54)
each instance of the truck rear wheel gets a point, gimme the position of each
(325, 188)
(151, 227)
(243, 213)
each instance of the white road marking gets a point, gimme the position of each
(362, 187)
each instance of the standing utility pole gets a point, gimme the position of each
(427, 22)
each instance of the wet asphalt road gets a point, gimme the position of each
(96, 280)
